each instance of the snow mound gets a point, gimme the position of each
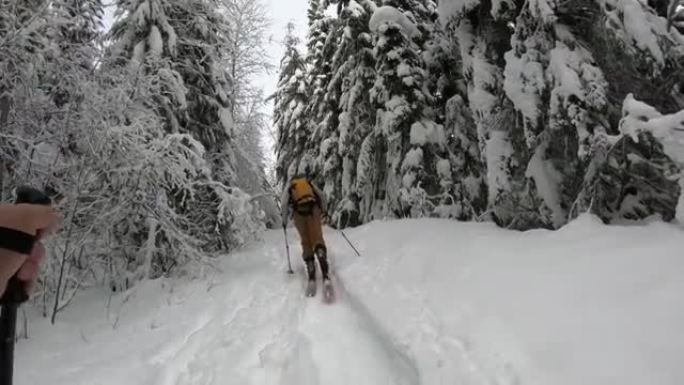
(389, 15)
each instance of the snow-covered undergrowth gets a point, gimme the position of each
(429, 302)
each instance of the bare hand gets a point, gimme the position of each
(37, 220)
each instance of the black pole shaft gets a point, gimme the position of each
(8, 324)
(350, 244)
(287, 248)
(8, 327)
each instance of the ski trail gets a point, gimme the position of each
(260, 329)
(242, 338)
(346, 347)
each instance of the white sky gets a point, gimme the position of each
(281, 12)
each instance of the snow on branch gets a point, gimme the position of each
(638, 117)
(389, 15)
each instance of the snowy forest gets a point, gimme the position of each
(147, 135)
(524, 113)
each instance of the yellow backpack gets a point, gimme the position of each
(302, 193)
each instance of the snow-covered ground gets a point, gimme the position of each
(430, 302)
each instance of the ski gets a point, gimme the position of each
(311, 288)
(328, 291)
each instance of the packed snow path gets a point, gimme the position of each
(265, 331)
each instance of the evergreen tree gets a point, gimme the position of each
(404, 117)
(184, 43)
(289, 106)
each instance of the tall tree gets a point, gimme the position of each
(289, 106)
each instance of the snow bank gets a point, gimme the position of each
(472, 303)
(389, 15)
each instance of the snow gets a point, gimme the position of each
(389, 15)
(419, 134)
(444, 168)
(499, 150)
(640, 27)
(668, 129)
(156, 43)
(470, 304)
(414, 158)
(543, 9)
(638, 117)
(547, 180)
(138, 53)
(453, 8)
(524, 82)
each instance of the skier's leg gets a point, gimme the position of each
(318, 243)
(301, 223)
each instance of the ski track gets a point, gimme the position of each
(267, 332)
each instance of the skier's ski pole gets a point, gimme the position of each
(287, 248)
(14, 295)
(349, 242)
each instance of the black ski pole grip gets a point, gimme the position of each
(15, 293)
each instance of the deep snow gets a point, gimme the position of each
(429, 302)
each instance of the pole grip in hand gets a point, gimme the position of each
(15, 292)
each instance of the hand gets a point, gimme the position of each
(37, 220)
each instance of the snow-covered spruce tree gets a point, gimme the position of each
(560, 95)
(566, 75)
(341, 74)
(322, 112)
(183, 43)
(461, 193)
(629, 175)
(482, 29)
(465, 190)
(290, 102)
(404, 116)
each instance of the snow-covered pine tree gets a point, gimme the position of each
(183, 44)
(290, 101)
(404, 117)
(564, 67)
(630, 176)
(354, 76)
(322, 111)
(484, 30)
(339, 105)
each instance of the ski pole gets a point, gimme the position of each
(287, 248)
(14, 295)
(349, 242)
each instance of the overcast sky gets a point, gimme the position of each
(281, 12)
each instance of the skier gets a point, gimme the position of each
(307, 204)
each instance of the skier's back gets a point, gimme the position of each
(306, 203)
